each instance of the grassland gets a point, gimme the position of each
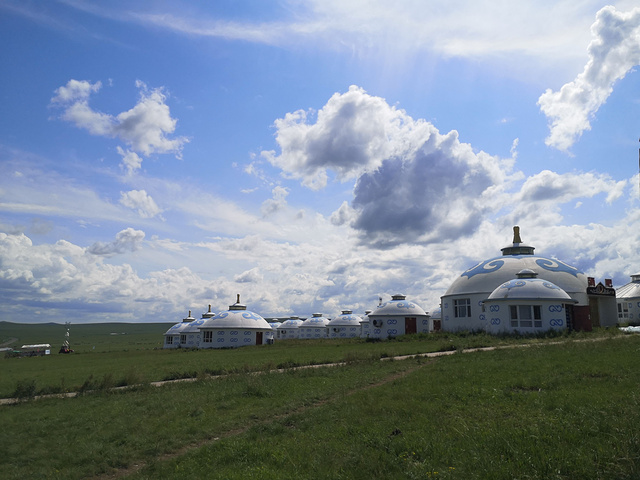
(565, 407)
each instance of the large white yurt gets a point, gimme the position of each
(313, 327)
(236, 327)
(398, 317)
(345, 325)
(527, 305)
(289, 328)
(176, 337)
(628, 300)
(462, 302)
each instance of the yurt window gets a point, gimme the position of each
(525, 316)
(462, 307)
(208, 336)
(183, 339)
(169, 340)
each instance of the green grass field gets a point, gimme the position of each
(564, 407)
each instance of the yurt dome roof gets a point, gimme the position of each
(631, 289)
(527, 287)
(316, 320)
(291, 323)
(345, 319)
(237, 317)
(483, 277)
(179, 328)
(398, 306)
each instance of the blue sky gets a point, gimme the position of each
(157, 157)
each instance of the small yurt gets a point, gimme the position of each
(313, 327)
(274, 329)
(526, 304)
(365, 325)
(435, 322)
(237, 327)
(628, 299)
(398, 317)
(176, 337)
(289, 328)
(345, 325)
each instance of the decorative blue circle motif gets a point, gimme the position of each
(488, 266)
(392, 321)
(405, 305)
(556, 322)
(250, 315)
(376, 331)
(233, 332)
(220, 332)
(557, 266)
(495, 321)
(482, 317)
(555, 308)
(639, 304)
(494, 308)
(247, 340)
(234, 340)
(392, 331)
(247, 333)
(220, 340)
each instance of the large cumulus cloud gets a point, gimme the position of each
(413, 184)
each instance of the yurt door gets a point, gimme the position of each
(258, 338)
(410, 325)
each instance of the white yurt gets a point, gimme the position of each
(435, 320)
(274, 329)
(313, 327)
(628, 301)
(289, 328)
(365, 325)
(176, 337)
(237, 327)
(345, 325)
(462, 302)
(527, 305)
(398, 317)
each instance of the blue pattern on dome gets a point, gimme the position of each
(557, 266)
(487, 266)
(250, 315)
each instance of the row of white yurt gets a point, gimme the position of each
(233, 328)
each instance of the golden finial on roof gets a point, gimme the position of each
(516, 234)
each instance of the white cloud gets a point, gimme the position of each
(613, 52)
(250, 276)
(144, 128)
(414, 184)
(276, 203)
(128, 240)
(140, 201)
(131, 161)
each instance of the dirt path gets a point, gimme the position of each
(8, 342)
(123, 472)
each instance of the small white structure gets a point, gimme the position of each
(628, 300)
(345, 325)
(527, 304)
(176, 337)
(274, 330)
(365, 325)
(237, 327)
(398, 317)
(314, 327)
(289, 328)
(435, 320)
